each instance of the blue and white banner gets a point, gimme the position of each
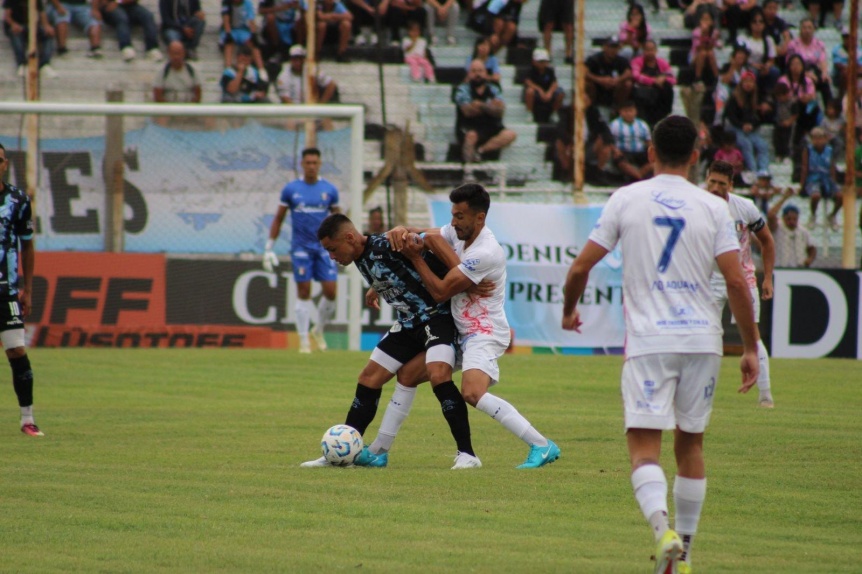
(540, 242)
(185, 191)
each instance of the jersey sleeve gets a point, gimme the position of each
(725, 236)
(334, 197)
(606, 232)
(753, 218)
(447, 232)
(480, 263)
(24, 222)
(285, 197)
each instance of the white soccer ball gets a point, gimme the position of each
(341, 445)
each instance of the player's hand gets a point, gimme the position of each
(485, 288)
(572, 321)
(372, 300)
(270, 261)
(750, 367)
(413, 246)
(766, 289)
(397, 237)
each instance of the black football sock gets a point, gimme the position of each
(364, 408)
(455, 410)
(22, 380)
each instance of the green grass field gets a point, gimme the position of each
(188, 461)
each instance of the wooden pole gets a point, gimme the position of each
(32, 95)
(311, 70)
(112, 175)
(848, 253)
(578, 105)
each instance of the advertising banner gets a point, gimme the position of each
(540, 243)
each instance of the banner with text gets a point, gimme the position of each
(185, 191)
(540, 242)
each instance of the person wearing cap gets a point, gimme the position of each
(794, 246)
(291, 84)
(609, 75)
(742, 117)
(542, 93)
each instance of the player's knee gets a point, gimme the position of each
(471, 395)
(16, 352)
(439, 373)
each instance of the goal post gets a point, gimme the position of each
(353, 115)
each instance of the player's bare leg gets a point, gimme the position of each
(325, 313)
(304, 310)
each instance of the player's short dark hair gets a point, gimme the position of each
(310, 151)
(722, 167)
(474, 195)
(673, 139)
(332, 225)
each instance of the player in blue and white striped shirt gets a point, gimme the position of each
(632, 139)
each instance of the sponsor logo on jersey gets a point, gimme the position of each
(471, 264)
(668, 201)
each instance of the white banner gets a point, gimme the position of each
(540, 242)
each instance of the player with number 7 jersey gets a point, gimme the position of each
(16, 242)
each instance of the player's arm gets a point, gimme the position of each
(397, 236)
(772, 216)
(25, 286)
(767, 254)
(576, 283)
(269, 258)
(440, 289)
(739, 296)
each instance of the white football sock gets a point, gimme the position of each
(650, 487)
(763, 377)
(27, 416)
(325, 312)
(508, 416)
(394, 415)
(688, 497)
(304, 309)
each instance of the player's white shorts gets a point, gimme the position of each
(719, 295)
(478, 352)
(668, 390)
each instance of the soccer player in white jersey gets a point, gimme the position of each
(747, 219)
(481, 321)
(670, 233)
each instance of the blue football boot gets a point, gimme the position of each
(541, 455)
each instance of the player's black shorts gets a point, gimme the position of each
(404, 344)
(10, 314)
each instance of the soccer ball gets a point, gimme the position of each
(341, 445)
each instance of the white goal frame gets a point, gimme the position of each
(354, 113)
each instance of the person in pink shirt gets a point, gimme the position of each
(634, 32)
(729, 153)
(654, 81)
(704, 41)
(802, 93)
(813, 53)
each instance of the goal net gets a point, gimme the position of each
(151, 218)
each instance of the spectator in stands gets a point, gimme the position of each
(15, 25)
(802, 93)
(415, 49)
(238, 28)
(840, 59)
(818, 9)
(122, 15)
(399, 13)
(653, 84)
(177, 81)
(279, 25)
(480, 111)
(818, 178)
(505, 17)
(242, 83)
(83, 14)
(376, 224)
(737, 14)
(554, 14)
(761, 53)
(631, 139)
(786, 115)
(443, 11)
(183, 20)
(705, 40)
(482, 51)
(694, 12)
(814, 55)
(794, 246)
(609, 75)
(542, 93)
(742, 117)
(834, 126)
(763, 190)
(778, 29)
(634, 32)
(728, 78)
(334, 22)
(291, 82)
(598, 146)
(728, 152)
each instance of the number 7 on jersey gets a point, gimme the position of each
(676, 225)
